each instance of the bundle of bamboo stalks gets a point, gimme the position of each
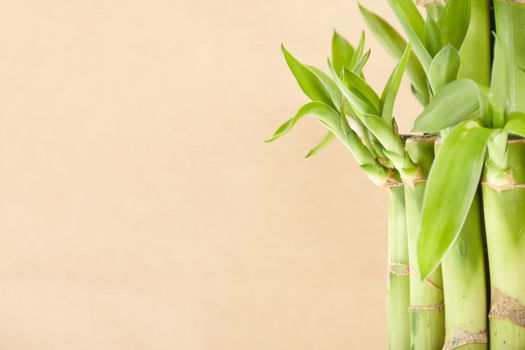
(457, 185)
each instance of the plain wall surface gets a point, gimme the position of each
(140, 207)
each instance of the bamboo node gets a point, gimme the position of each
(427, 281)
(436, 308)
(417, 178)
(504, 187)
(434, 286)
(461, 338)
(390, 183)
(399, 269)
(505, 307)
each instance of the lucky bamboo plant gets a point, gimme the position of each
(363, 121)
(441, 52)
(442, 234)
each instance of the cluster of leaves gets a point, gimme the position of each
(479, 119)
(471, 118)
(352, 111)
(436, 41)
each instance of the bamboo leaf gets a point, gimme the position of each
(451, 187)
(395, 45)
(358, 67)
(434, 9)
(338, 125)
(329, 85)
(483, 98)
(388, 97)
(328, 137)
(454, 102)
(384, 132)
(432, 36)
(499, 85)
(358, 51)
(354, 81)
(357, 104)
(411, 15)
(414, 27)
(342, 52)
(444, 67)
(516, 124)
(422, 98)
(320, 111)
(454, 22)
(308, 81)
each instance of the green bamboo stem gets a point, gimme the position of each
(464, 286)
(426, 296)
(398, 293)
(504, 208)
(463, 268)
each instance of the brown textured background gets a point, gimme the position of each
(140, 208)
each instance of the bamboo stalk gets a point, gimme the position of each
(504, 195)
(463, 268)
(426, 296)
(504, 207)
(465, 287)
(398, 292)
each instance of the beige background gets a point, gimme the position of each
(140, 208)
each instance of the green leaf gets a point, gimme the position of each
(338, 125)
(483, 97)
(357, 104)
(444, 67)
(432, 36)
(395, 45)
(320, 111)
(454, 22)
(358, 67)
(358, 51)
(434, 10)
(422, 98)
(354, 81)
(451, 187)
(414, 27)
(329, 85)
(308, 81)
(410, 14)
(329, 137)
(454, 102)
(499, 85)
(342, 52)
(388, 97)
(516, 124)
(385, 133)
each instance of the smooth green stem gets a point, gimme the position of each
(464, 273)
(427, 317)
(475, 50)
(398, 294)
(464, 285)
(504, 210)
(510, 19)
